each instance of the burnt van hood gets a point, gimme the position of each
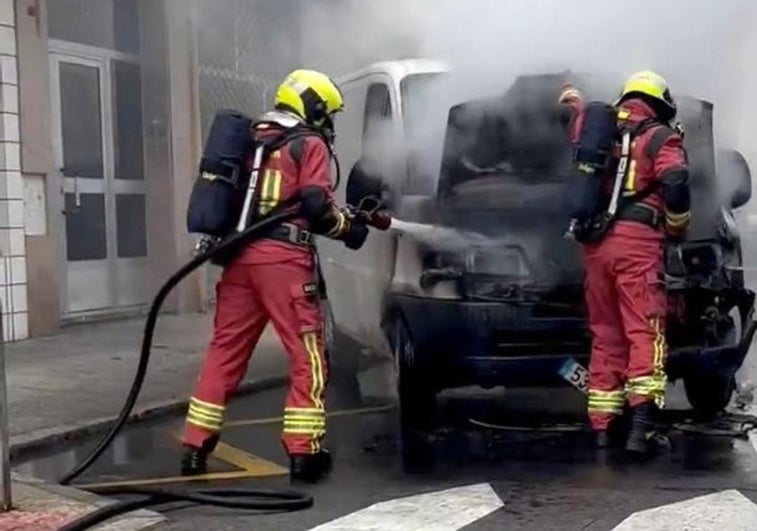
(510, 154)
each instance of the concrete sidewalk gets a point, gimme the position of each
(77, 381)
(39, 506)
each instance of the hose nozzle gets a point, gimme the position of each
(379, 220)
(369, 212)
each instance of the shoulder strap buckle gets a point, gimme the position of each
(304, 237)
(620, 175)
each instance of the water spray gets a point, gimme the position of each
(370, 212)
(441, 236)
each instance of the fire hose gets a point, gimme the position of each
(254, 500)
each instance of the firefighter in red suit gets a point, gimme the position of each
(624, 286)
(275, 280)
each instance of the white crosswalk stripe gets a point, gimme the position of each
(723, 511)
(446, 510)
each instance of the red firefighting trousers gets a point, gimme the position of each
(626, 303)
(248, 296)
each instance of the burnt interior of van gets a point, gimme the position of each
(504, 167)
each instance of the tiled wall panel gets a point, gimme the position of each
(13, 295)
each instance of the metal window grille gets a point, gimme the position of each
(244, 49)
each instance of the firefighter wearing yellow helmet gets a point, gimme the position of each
(311, 96)
(653, 89)
(275, 279)
(625, 299)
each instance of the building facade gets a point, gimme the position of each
(104, 105)
(103, 109)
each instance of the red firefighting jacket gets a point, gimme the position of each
(280, 178)
(657, 154)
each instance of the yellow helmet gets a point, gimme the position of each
(650, 85)
(311, 95)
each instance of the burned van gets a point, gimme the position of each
(505, 306)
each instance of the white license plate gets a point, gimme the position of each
(575, 374)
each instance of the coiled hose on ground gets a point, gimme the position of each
(254, 500)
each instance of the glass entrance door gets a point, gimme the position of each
(97, 132)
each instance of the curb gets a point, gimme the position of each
(41, 439)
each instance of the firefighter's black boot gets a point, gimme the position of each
(614, 436)
(602, 439)
(194, 462)
(642, 438)
(310, 468)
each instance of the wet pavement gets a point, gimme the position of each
(535, 480)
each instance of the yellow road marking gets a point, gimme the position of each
(248, 462)
(213, 476)
(250, 465)
(275, 420)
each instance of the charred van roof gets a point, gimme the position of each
(396, 69)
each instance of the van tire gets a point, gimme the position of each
(709, 394)
(709, 390)
(417, 404)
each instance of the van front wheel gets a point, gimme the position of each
(709, 394)
(417, 404)
(709, 389)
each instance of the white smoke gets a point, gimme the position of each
(692, 42)
(344, 35)
(704, 48)
(687, 40)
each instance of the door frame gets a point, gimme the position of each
(101, 58)
(382, 245)
(367, 273)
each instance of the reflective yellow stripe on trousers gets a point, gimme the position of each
(652, 386)
(606, 401)
(310, 421)
(205, 415)
(307, 422)
(310, 341)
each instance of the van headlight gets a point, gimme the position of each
(481, 270)
(497, 262)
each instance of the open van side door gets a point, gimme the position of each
(335, 258)
(383, 157)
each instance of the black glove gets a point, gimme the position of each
(356, 236)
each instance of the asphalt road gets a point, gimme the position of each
(487, 478)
